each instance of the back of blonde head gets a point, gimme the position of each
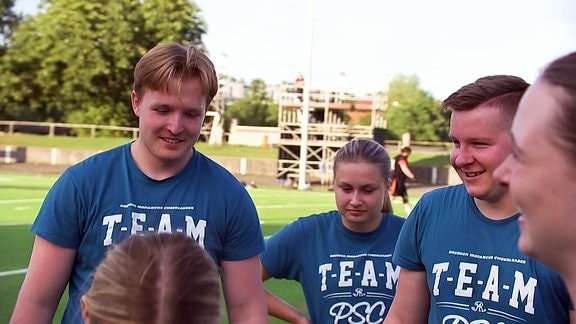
(156, 278)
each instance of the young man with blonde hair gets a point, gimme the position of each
(158, 183)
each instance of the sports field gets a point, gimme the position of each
(21, 195)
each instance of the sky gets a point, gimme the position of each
(358, 46)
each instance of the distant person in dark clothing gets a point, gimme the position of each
(401, 172)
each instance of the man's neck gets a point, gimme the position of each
(497, 210)
(152, 167)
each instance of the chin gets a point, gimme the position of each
(475, 192)
(525, 245)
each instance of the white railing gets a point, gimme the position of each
(12, 126)
(50, 128)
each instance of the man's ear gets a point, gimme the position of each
(84, 309)
(135, 103)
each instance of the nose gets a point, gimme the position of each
(461, 157)
(175, 124)
(355, 198)
(502, 172)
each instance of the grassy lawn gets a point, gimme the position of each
(21, 195)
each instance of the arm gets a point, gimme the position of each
(406, 170)
(412, 301)
(281, 309)
(572, 315)
(48, 272)
(243, 291)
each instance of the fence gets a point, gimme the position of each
(51, 129)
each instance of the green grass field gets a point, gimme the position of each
(21, 195)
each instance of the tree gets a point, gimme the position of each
(8, 21)
(413, 110)
(73, 62)
(254, 109)
(172, 20)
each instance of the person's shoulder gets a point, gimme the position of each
(218, 174)
(444, 197)
(393, 226)
(394, 222)
(396, 219)
(308, 226)
(326, 216)
(317, 221)
(209, 165)
(101, 160)
(447, 191)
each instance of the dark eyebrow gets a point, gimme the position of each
(195, 108)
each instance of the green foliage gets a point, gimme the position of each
(8, 21)
(255, 109)
(104, 114)
(172, 20)
(74, 60)
(413, 110)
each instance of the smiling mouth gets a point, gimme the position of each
(472, 174)
(171, 140)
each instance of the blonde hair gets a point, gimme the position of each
(155, 278)
(173, 61)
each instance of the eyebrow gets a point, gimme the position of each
(161, 104)
(362, 186)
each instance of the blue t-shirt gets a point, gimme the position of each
(474, 269)
(106, 198)
(347, 277)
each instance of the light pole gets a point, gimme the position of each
(306, 100)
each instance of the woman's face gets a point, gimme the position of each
(541, 177)
(360, 193)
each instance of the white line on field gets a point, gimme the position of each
(15, 223)
(19, 201)
(12, 272)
